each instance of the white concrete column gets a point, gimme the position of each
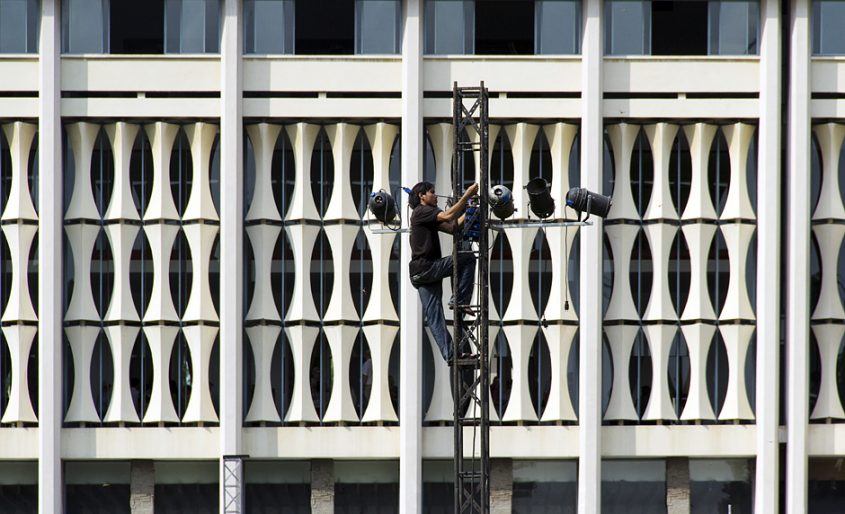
(589, 392)
(410, 388)
(501, 486)
(677, 486)
(231, 238)
(322, 486)
(142, 476)
(768, 260)
(50, 484)
(798, 257)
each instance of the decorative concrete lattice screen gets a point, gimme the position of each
(322, 289)
(141, 272)
(19, 284)
(827, 269)
(680, 321)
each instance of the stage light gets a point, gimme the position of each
(583, 200)
(382, 205)
(540, 198)
(500, 199)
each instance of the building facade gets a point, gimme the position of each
(189, 272)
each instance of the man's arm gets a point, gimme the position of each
(452, 212)
(447, 227)
(450, 226)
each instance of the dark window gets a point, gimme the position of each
(721, 486)
(449, 27)
(545, 486)
(504, 27)
(132, 27)
(98, 498)
(828, 37)
(540, 496)
(557, 26)
(377, 24)
(438, 490)
(192, 26)
(375, 498)
(137, 27)
(19, 499)
(438, 497)
(275, 487)
(267, 498)
(628, 27)
(268, 26)
(633, 486)
(19, 21)
(325, 27)
(178, 498)
(733, 27)
(84, 24)
(679, 28)
(826, 486)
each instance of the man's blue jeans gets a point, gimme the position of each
(429, 284)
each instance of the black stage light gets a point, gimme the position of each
(540, 198)
(500, 199)
(583, 200)
(382, 205)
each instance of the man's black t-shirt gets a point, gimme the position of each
(425, 244)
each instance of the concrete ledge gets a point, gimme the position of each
(503, 73)
(323, 73)
(681, 108)
(827, 74)
(141, 73)
(679, 441)
(18, 107)
(561, 442)
(826, 440)
(517, 108)
(20, 72)
(511, 442)
(173, 443)
(652, 108)
(322, 442)
(149, 108)
(827, 108)
(699, 74)
(18, 443)
(377, 443)
(321, 108)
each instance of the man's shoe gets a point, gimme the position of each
(463, 357)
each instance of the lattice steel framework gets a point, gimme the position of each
(233, 484)
(470, 376)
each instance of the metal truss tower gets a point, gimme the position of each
(233, 484)
(470, 376)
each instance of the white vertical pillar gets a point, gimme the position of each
(798, 257)
(50, 268)
(231, 243)
(589, 392)
(410, 420)
(768, 261)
